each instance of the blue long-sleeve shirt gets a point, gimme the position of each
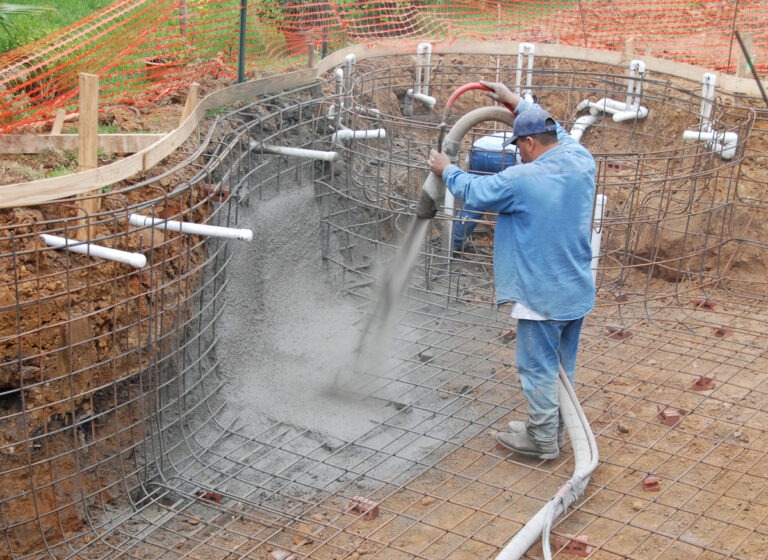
(542, 252)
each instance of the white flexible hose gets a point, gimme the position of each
(585, 457)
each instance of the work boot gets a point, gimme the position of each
(519, 426)
(521, 442)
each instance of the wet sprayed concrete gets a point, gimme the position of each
(288, 335)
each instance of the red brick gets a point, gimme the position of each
(669, 416)
(651, 483)
(364, 506)
(703, 384)
(578, 545)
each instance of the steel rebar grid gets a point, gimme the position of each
(201, 483)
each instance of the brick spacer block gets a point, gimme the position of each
(722, 332)
(578, 545)
(617, 332)
(703, 384)
(651, 483)
(669, 416)
(210, 496)
(364, 506)
(703, 303)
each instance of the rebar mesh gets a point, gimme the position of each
(122, 439)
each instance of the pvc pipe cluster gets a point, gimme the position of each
(423, 65)
(136, 260)
(620, 111)
(344, 93)
(420, 90)
(722, 143)
(191, 228)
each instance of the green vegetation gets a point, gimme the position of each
(20, 28)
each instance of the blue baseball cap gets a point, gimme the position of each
(531, 122)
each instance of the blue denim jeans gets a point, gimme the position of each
(542, 346)
(464, 226)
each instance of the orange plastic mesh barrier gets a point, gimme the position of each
(143, 50)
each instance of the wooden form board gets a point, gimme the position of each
(47, 190)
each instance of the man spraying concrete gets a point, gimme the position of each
(542, 257)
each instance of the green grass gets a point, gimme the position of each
(26, 29)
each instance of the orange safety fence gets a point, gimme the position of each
(143, 50)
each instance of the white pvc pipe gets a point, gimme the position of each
(367, 111)
(581, 124)
(419, 66)
(708, 82)
(350, 66)
(597, 232)
(427, 100)
(302, 153)
(450, 212)
(722, 143)
(420, 91)
(634, 86)
(724, 138)
(134, 259)
(191, 228)
(632, 113)
(618, 109)
(427, 66)
(340, 96)
(348, 134)
(521, 50)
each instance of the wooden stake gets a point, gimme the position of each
(191, 101)
(88, 129)
(58, 121)
(88, 143)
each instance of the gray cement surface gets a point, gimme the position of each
(290, 334)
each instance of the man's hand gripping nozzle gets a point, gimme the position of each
(433, 190)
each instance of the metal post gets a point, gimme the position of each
(241, 54)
